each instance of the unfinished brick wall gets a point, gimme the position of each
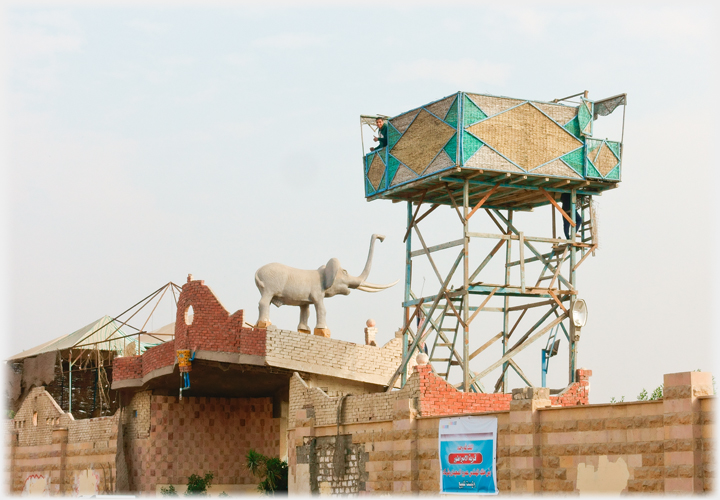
(642, 447)
(52, 451)
(212, 329)
(195, 436)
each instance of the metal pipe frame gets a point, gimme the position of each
(443, 315)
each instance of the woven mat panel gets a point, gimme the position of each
(487, 159)
(606, 160)
(592, 171)
(493, 105)
(422, 141)
(403, 121)
(525, 136)
(403, 174)
(558, 112)
(377, 169)
(441, 108)
(441, 162)
(557, 168)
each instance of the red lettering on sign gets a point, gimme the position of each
(465, 458)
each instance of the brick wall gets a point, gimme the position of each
(195, 436)
(640, 447)
(314, 354)
(212, 329)
(49, 447)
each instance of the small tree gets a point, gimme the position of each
(272, 472)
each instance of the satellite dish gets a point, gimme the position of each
(579, 313)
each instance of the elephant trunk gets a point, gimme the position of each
(366, 272)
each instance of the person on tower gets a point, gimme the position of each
(381, 138)
(566, 201)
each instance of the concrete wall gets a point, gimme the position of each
(49, 452)
(645, 447)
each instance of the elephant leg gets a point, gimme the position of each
(321, 328)
(264, 311)
(304, 316)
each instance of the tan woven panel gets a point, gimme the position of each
(441, 108)
(401, 122)
(557, 168)
(525, 136)
(559, 113)
(441, 162)
(403, 174)
(606, 160)
(376, 171)
(487, 159)
(422, 141)
(493, 105)
(592, 154)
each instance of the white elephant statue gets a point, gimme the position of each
(283, 285)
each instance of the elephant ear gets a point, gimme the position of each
(332, 268)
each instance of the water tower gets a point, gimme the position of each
(511, 173)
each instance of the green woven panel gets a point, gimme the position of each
(382, 185)
(368, 161)
(573, 127)
(471, 113)
(451, 147)
(393, 136)
(614, 147)
(393, 165)
(576, 160)
(583, 116)
(614, 173)
(368, 187)
(470, 146)
(592, 171)
(452, 115)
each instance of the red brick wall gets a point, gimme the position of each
(201, 435)
(212, 329)
(127, 368)
(437, 397)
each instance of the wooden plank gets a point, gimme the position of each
(427, 253)
(555, 297)
(522, 262)
(483, 200)
(480, 307)
(435, 248)
(518, 348)
(562, 212)
(412, 221)
(559, 265)
(531, 305)
(520, 373)
(485, 346)
(430, 210)
(591, 250)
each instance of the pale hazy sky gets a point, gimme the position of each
(144, 142)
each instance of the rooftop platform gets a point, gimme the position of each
(517, 150)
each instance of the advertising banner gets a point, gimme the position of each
(468, 455)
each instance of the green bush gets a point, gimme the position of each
(272, 472)
(196, 486)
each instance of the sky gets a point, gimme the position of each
(146, 141)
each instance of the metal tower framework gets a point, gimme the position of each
(442, 320)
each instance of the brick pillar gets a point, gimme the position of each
(523, 440)
(405, 464)
(683, 430)
(60, 441)
(301, 467)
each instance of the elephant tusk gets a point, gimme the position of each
(372, 287)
